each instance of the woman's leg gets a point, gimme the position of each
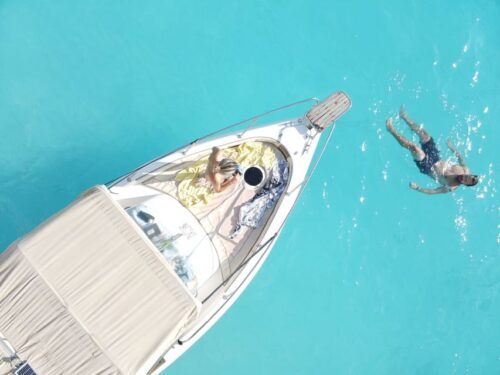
(416, 151)
(418, 129)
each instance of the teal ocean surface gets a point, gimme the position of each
(368, 277)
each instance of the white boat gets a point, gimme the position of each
(132, 273)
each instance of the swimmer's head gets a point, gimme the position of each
(228, 168)
(468, 179)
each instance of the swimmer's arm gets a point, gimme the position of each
(453, 149)
(439, 190)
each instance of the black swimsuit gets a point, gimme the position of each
(431, 157)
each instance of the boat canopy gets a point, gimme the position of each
(87, 293)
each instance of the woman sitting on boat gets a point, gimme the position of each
(222, 172)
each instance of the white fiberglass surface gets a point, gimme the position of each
(179, 237)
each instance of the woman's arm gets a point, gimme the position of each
(219, 186)
(215, 155)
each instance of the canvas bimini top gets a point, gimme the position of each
(87, 292)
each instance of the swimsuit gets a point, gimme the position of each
(431, 157)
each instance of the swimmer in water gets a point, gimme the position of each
(222, 172)
(428, 161)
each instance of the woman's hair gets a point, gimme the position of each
(227, 167)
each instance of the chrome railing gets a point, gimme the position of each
(251, 122)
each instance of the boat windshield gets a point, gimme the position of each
(179, 237)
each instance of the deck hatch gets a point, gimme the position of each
(25, 369)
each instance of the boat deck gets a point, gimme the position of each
(219, 213)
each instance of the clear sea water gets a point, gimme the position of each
(368, 277)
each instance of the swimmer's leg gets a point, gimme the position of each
(418, 129)
(417, 152)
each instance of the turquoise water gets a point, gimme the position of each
(368, 276)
